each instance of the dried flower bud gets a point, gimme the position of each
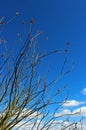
(18, 34)
(46, 38)
(44, 84)
(23, 22)
(68, 43)
(0, 75)
(58, 90)
(65, 86)
(1, 23)
(66, 50)
(32, 21)
(3, 54)
(40, 32)
(17, 13)
(55, 51)
(21, 53)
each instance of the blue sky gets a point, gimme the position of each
(61, 21)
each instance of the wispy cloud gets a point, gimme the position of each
(72, 103)
(83, 91)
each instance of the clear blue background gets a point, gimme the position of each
(61, 21)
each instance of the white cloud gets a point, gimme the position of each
(70, 125)
(26, 126)
(31, 118)
(63, 113)
(72, 103)
(77, 112)
(31, 114)
(81, 111)
(29, 125)
(83, 91)
(59, 125)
